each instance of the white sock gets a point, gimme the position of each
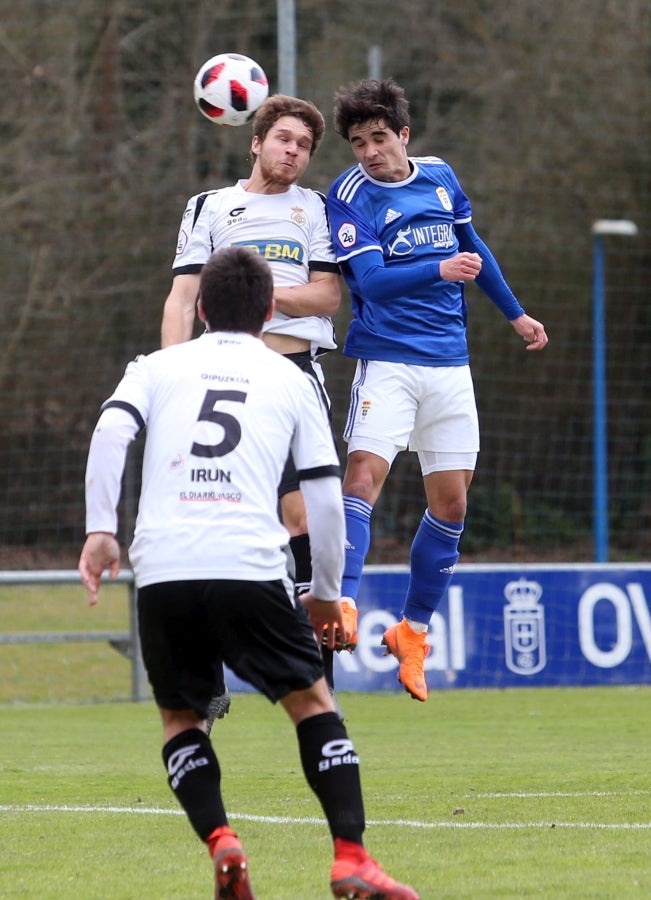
(418, 627)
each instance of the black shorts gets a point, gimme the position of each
(189, 628)
(288, 480)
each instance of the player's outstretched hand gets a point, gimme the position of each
(101, 551)
(532, 331)
(324, 613)
(461, 267)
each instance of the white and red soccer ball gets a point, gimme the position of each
(229, 88)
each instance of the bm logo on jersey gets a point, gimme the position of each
(276, 251)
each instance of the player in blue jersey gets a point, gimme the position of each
(403, 236)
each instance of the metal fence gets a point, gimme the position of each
(124, 642)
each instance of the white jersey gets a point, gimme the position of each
(221, 412)
(289, 229)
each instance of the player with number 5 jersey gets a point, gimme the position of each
(221, 414)
(220, 411)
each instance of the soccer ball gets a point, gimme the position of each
(229, 88)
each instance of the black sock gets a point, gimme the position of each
(195, 777)
(300, 547)
(328, 659)
(220, 687)
(331, 768)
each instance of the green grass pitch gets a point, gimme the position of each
(475, 794)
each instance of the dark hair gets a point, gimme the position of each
(236, 290)
(281, 105)
(370, 100)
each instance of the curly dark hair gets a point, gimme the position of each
(370, 100)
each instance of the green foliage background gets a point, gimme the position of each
(544, 111)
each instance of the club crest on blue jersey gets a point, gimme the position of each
(443, 196)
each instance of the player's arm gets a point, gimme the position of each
(358, 248)
(320, 296)
(117, 426)
(106, 458)
(378, 283)
(325, 523)
(100, 552)
(180, 309)
(319, 477)
(493, 284)
(490, 279)
(530, 330)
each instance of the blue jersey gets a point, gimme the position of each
(389, 239)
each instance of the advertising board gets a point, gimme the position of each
(511, 626)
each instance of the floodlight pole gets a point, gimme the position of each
(286, 33)
(375, 62)
(600, 446)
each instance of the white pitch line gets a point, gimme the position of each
(290, 820)
(525, 794)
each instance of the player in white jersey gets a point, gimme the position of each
(290, 230)
(287, 225)
(221, 413)
(403, 236)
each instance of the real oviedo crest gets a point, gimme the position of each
(524, 627)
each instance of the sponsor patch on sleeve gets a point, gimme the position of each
(182, 242)
(347, 235)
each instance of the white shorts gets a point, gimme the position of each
(429, 409)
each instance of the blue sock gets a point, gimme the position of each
(434, 554)
(358, 540)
